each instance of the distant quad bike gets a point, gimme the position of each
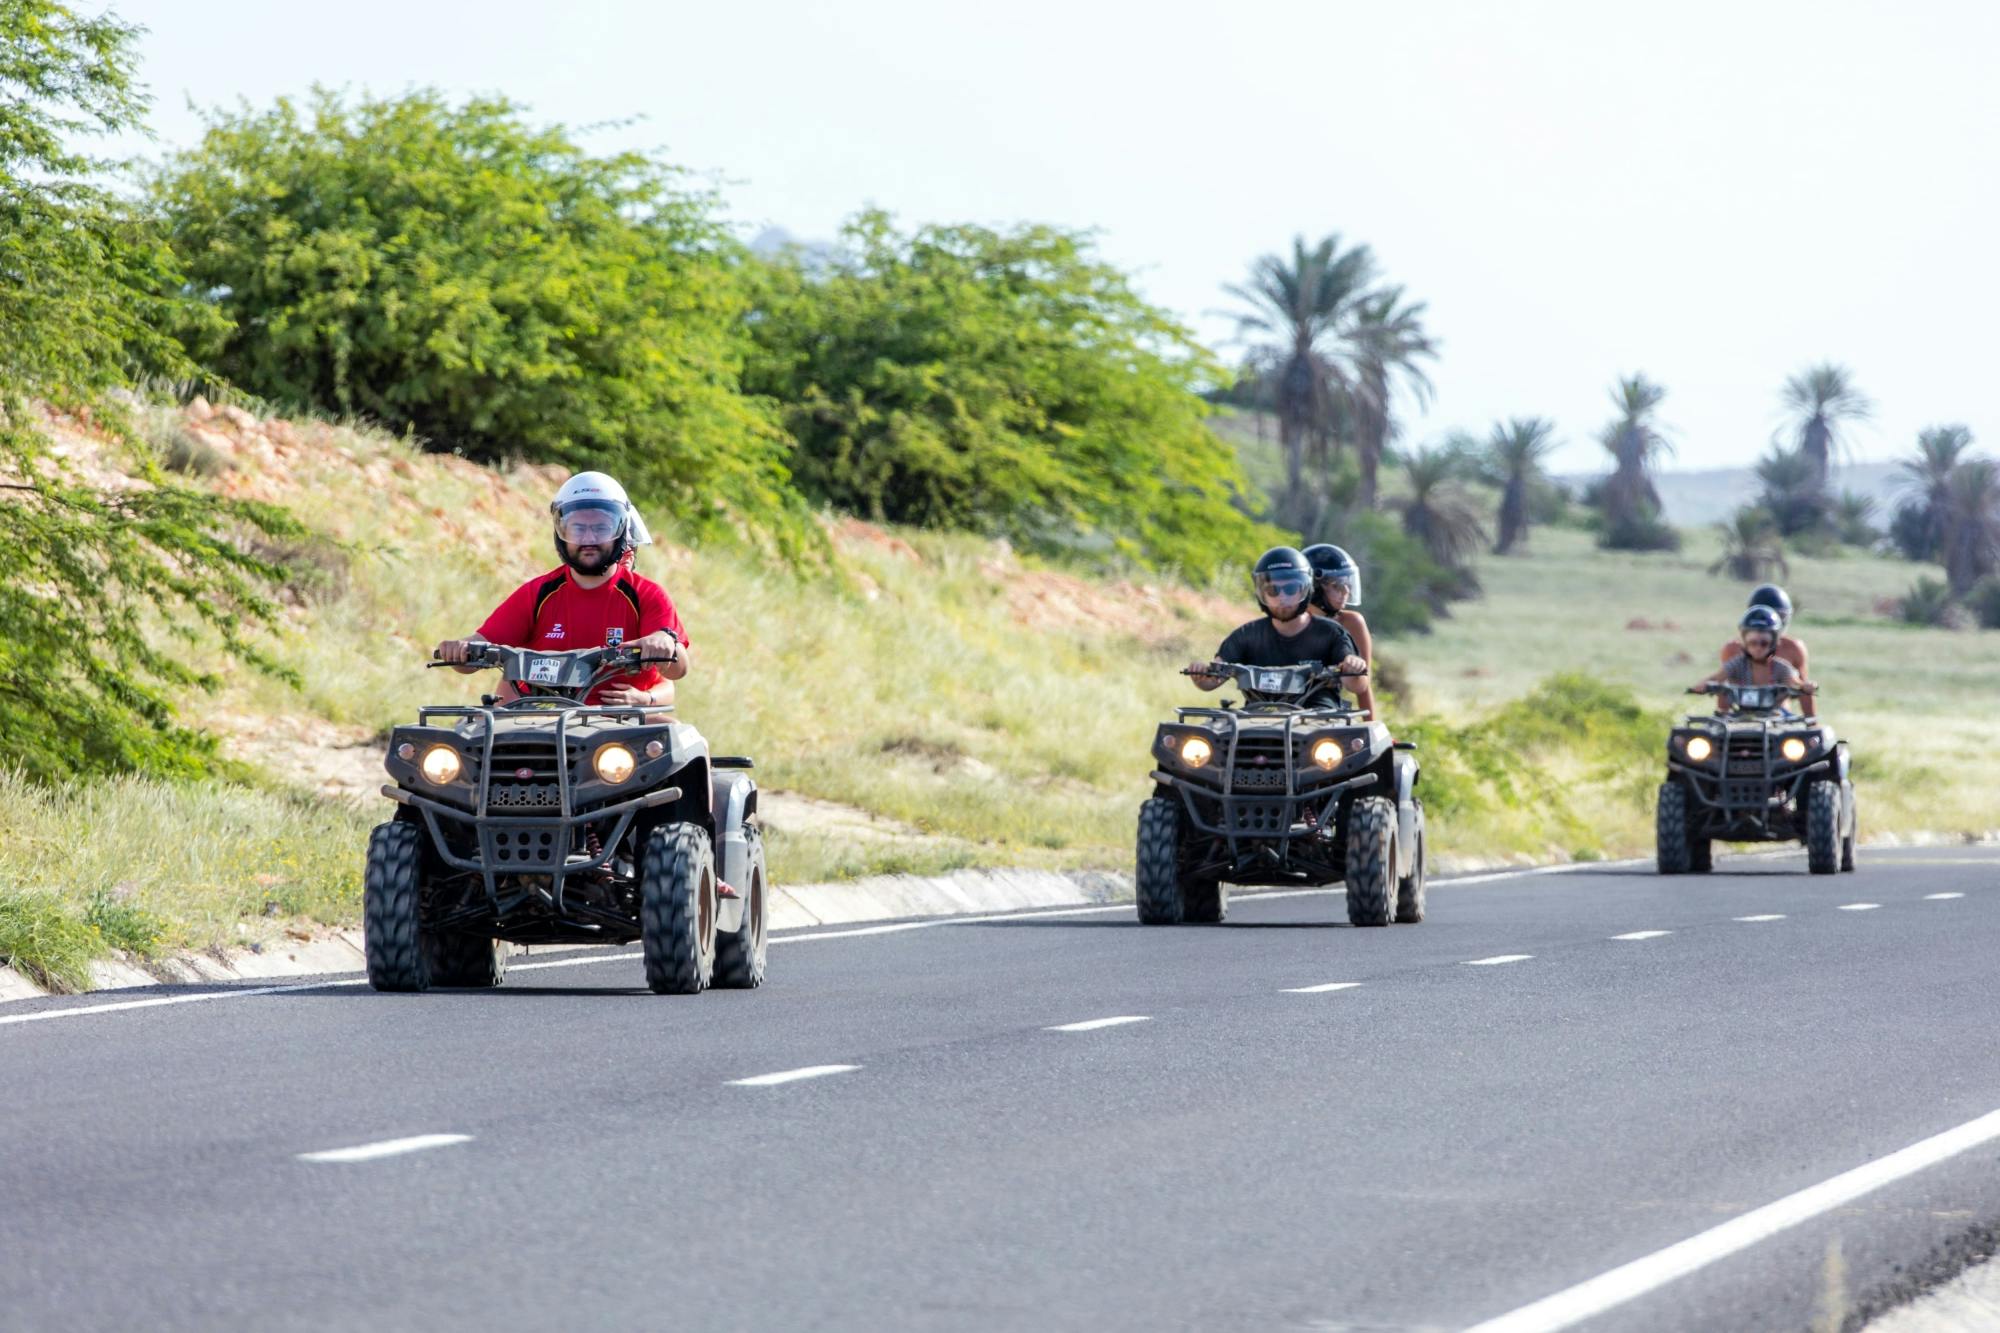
(544, 820)
(1758, 773)
(1292, 787)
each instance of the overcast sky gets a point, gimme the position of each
(1714, 193)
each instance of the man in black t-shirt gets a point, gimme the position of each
(1288, 631)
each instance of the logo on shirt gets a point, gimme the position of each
(614, 637)
(555, 631)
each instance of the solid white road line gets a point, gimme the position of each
(368, 1152)
(1322, 988)
(1643, 935)
(1859, 907)
(791, 1076)
(1092, 1024)
(123, 1006)
(1768, 916)
(1940, 897)
(1641, 1276)
(1498, 958)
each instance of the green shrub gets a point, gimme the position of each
(44, 942)
(455, 272)
(1929, 602)
(1983, 601)
(1009, 383)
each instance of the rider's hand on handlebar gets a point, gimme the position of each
(456, 651)
(659, 646)
(1353, 665)
(1203, 670)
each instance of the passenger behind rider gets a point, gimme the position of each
(594, 599)
(1337, 593)
(1758, 662)
(1288, 632)
(1790, 649)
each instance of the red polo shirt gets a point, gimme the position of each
(553, 614)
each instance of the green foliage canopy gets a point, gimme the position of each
(489, 285)
(86, 686)
(1007, 382)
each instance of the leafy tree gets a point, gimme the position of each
(1971, 523)
(1440, 514)
(1822, 399)
(85, 686)
(1516, 451)
(1636, 443)
(1009, 382)
(1307, 304)
(1853, 519)
(1918, 526)
(1753, 548)
(1794, 495)
(456, 272)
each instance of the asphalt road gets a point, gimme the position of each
(1432, 1147)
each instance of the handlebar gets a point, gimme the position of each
(1215, 669)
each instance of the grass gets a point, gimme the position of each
(1001, 708)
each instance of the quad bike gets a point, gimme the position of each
(1756, 773)
(1294, 786)
(546, 820)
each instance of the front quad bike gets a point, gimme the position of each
(1757, 773)
(545, 820)
(1292, 787)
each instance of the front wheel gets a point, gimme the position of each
(739, 957)
(1371, 861)
(1823, 828)
(677, 909)
(1158, 879)
(392, 930)
(1670, 830)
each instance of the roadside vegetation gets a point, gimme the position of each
(945, 506)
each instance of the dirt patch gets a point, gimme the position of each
(1158, 615)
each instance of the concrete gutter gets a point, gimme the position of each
(1969, 1303)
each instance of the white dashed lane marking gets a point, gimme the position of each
(1859, 907)
(368, 1152)
(1768, 916)
(1322, 988)
(791, 1076)
(1643, 935)
(1092, 1024)
(1940, 897)
(1498, 958)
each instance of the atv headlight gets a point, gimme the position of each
(614, 763)
(1794, 749)
(1195, 751)
(1698, 748)
(441, 765)
(1326, 753)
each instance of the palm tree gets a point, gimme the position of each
(1854, 519)
(1821, 399)
(1919, 523)
(1752, 549)
(1971, 523)
(1636, 443)
(1439, 512)
(1794, 491)
(1516, 451)
(1390, 338)
(1306, 304)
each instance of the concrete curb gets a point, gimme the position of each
(1969, 1303)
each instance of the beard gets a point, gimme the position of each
(589, 561)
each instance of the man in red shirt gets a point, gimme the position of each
(593, 599)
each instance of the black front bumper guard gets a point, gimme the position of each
(1780, 793)
(1257, 827)
(529, 844)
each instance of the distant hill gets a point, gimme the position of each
(1697, 498)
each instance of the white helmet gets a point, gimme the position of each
(591, 509)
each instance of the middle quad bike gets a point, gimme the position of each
(1292, 786)
(1756, 773)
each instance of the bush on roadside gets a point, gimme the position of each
(1983, 602)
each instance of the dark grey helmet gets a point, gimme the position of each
(1283, 579)
(1331, 564)
(1771, 595)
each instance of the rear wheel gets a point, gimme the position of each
(471, 961)
(1410, 888)
(1670, 830)
(1158, 878)
(1853, 831)
(1371, 861)
(1823, 828)
(677, 909)
(1701, 855)
(1204, 902)
(739, 957)
(392, 931)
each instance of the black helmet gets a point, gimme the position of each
(1284, 582)
(1763, 618)
(1331, 564)
(1771, 595)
